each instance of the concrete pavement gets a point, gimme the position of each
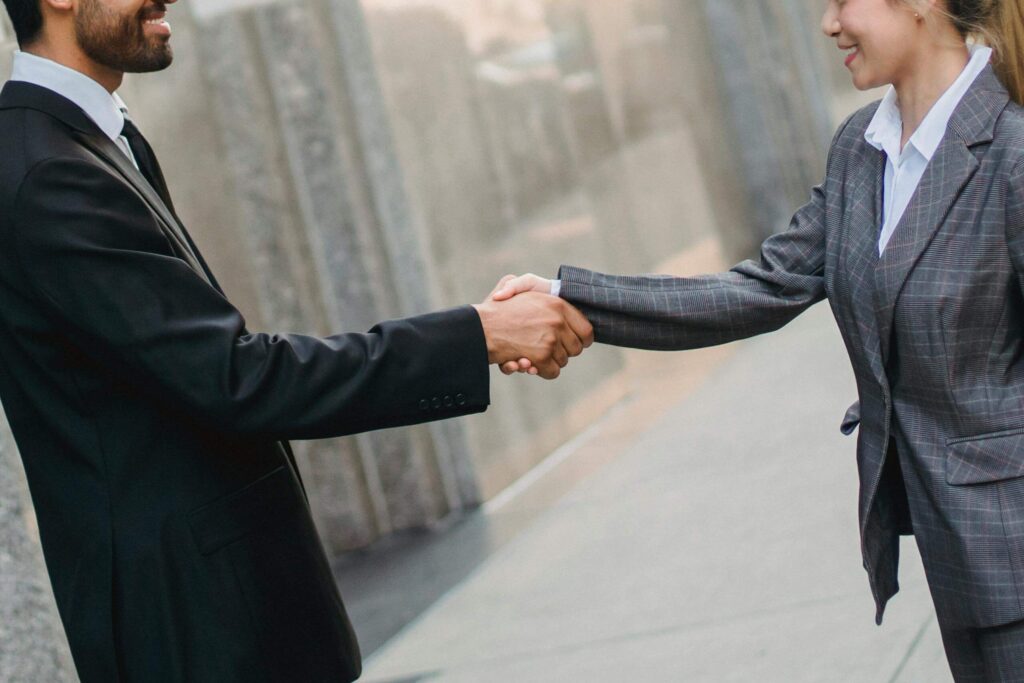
(717, 542)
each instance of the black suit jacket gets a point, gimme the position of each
(150, 421)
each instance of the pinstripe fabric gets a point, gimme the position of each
(934, 329)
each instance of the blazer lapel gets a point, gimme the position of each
(947, 174)
(16, 95)
(104, 148)
(860, 249)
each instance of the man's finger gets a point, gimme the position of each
(573, 345)
(560, 356)
(570, 342)
(580, 325)
(549, 370)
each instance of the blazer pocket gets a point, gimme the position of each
(985, 458)
(234, 516)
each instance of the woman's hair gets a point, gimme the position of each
(1000, 25)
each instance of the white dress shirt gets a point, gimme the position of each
(904, 168)
(105, 109)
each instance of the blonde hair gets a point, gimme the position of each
(1007, 27)
(1000, 25)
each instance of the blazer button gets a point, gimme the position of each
(436, 403)
(461, 399)
(424, 404)
(448, 402)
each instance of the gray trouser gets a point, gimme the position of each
(986, 655)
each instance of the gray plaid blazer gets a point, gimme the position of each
(934, 329)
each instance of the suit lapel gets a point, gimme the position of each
(860, 245)
(16, 95)
(104, 148)
(946, 176)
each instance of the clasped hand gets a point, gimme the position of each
(530, 331)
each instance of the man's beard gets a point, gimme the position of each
(119, 42)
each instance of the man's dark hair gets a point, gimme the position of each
(27, 18)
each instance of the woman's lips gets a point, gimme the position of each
(853, 55)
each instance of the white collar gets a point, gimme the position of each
(886, 128)
(105, 109)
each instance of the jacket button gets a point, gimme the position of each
(448, 402)
(424, 404)
(461, 399)
(436, 402)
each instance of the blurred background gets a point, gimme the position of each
(340, 162)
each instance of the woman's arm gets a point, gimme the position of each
(661, 312)
(672, 313)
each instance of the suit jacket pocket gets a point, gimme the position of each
(985, 458)
(264, 536)
(232, 517)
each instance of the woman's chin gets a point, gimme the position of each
(863, 84)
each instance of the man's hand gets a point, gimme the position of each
(543, 330)
(508, 287)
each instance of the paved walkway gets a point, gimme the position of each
(720, 544)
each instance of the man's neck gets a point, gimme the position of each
(75, 59)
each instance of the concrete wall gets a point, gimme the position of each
(340, 162)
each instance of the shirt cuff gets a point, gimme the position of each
(556, 287)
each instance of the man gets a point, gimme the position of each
(151, 423)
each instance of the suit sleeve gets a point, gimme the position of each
(660, 312)
(93, 255)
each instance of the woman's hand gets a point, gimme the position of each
(511, 285)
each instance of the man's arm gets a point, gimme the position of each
(92, 254)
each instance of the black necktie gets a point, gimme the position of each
(146, 160)
(150, 168)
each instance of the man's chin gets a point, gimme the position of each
(155, 64)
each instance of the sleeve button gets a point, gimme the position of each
(448, 402)
(461, 399)
(436, 403)
(424, 404)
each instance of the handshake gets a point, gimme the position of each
(530, 331)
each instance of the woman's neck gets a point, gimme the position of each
(918, 92)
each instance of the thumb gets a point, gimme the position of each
(507, 289)
(501, 286)
(518, 285)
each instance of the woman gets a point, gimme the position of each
(916, 238)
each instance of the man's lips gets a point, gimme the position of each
(157, 23)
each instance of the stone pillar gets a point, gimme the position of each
(414, 287)
(326, 219)
(32, 642)
(775, 100)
